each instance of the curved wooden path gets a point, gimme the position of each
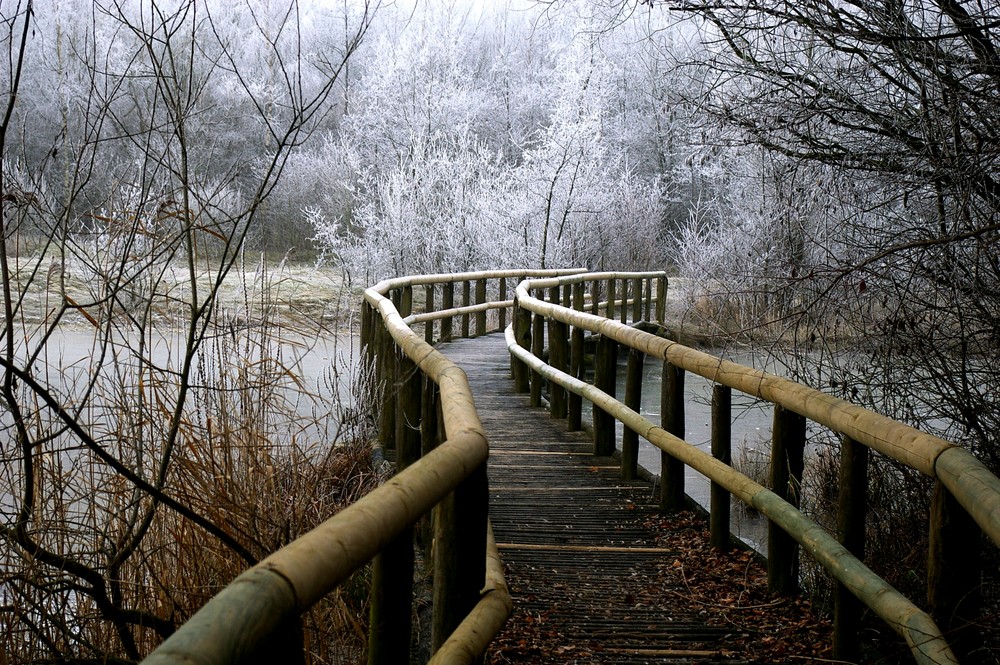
(576, 540)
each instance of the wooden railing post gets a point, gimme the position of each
(610, 311)
(558, 358)
(633, 400)
(722, 400)
(649, 299)
(447, 302)
(406, 301)
(595, 297)
(387, 384)
(522, 333)
(392, 568)
(954, 572)
(852, 514)
(480, 299)
(429, 307)
(605, 366)
(466, 301)
(661, 300)
(623, 314)
(459, 555)
(429, 439)
(567, 296)
(537, 349)
(788, 436)
(502, 312)
(672, 419)
(574, 407)
(636, 300)
(367, 330)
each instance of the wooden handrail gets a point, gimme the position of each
(966, 478)
(233, 625)
(256, 606)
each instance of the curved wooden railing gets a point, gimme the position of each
(428, 418)
(965, 488)
(253, 618)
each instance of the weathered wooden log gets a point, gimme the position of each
(633, 400)
(574, 406)
(466, 301)
(605, 366)
(522, 332)
(480, 300)
(636, 300)
(502, 313)
(447, 302)
(610, 307)
(852, 515)
(672, 417)
(661, 301)
(558, 358)
(459, 554)
(954, 573)
(788, 442)
(537, 347)
(623, 313)
(429, 307)
(722, 419)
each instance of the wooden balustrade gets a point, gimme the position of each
(966, 500)
(426, 414)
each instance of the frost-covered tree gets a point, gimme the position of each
(127, 194)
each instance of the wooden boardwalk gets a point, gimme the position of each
(577, 541)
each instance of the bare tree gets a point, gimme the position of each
(122, 458)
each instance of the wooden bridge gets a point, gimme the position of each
(567, 512)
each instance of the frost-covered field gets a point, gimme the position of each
(299, 296)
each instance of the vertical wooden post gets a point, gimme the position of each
(852, 514)
(480, 299)
(537, 349)
(447, 302)
(522, 333)
(788, 440)
(574, 407)
(636, 300)
(366, 329)
(954, 573)
(459, 555)
(595, 297)
(672, 419)
(567, 295)
(406, 301)
(605, 367)
(387, 380)
(429, 307)
(623, 314)
(649, 299)
(466, 301)
(661, 300)
(722, 400)
(610, 311)
(502, 312)
(392, 568)
(633, 400)
(429, 406)
(558, 358)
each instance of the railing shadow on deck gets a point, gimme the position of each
(428, 416)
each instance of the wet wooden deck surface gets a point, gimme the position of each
(576, 540)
